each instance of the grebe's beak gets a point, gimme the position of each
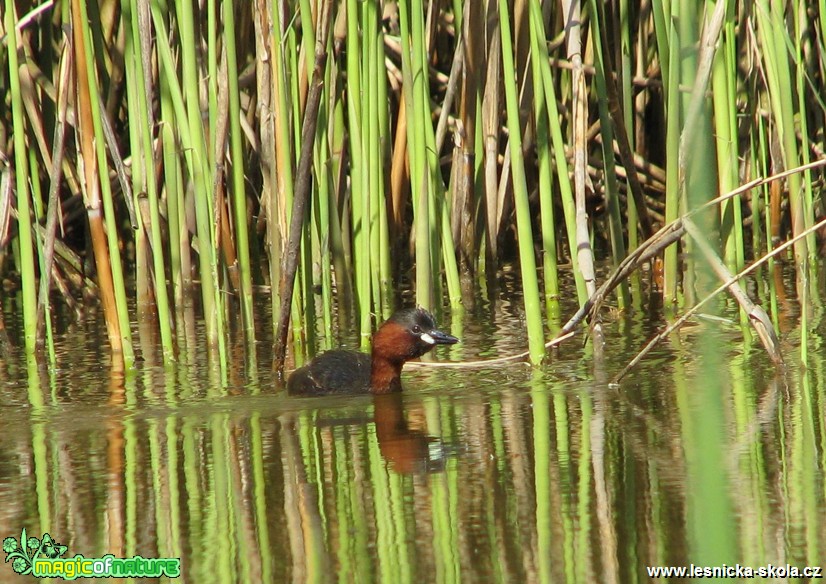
(436, 337)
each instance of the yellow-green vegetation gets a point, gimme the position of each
(419, 142)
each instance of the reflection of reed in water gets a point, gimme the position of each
(406, 451)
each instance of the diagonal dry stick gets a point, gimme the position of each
(680, 321)
(757, 316)
(302, 185)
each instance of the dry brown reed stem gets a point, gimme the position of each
(398, 173)
(302, 186)
(456, 69)
(263, 110)
(584, 253)
(5, 204)
(456, 75)
(490, 129)
(679, 322)
(34, 113)
(667, 235)
(759, 182)
(87, 157)
(226, 240)
(124, 178)
(464, 151)
(640, 81)
(33, 14)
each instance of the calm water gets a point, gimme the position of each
(702, 455)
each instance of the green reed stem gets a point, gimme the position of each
(340, 223)
(609, 168)
(135, 85)
(143, 167)
(543, 150)
(661, 13)
(322, 193)
(179, 256)
(305, 282)
(321, 234)
(192, 135)
(40, 243)
(628, 107)
(451, 265)
(359, 172)
(527, 261)
(212, 67)
(435, 185)
(723, 96)
(302, 309)
(421, 183)
(374, 166)
(239, 192)
(771, 32)
(673, 129)
(383, 140)
(282, 196)
(26, 244)
(802, 116)
(560, 146)
(762, 164)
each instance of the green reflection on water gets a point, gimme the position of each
(505, 475)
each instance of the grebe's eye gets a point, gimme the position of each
(417, 329)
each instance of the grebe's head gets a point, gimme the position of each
(409, 334)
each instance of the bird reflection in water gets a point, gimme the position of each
(407, 451)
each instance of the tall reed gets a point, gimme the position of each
(566, 142)
(149, 239)
(24, 243)
(533, 310)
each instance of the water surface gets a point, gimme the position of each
(500, 474)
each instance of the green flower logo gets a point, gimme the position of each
(19, 565)
(22, 553)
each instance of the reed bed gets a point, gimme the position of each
(331, 150)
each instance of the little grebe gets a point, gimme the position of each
(408, 334)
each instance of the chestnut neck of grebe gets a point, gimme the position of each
(406, 335)
(391, 345)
